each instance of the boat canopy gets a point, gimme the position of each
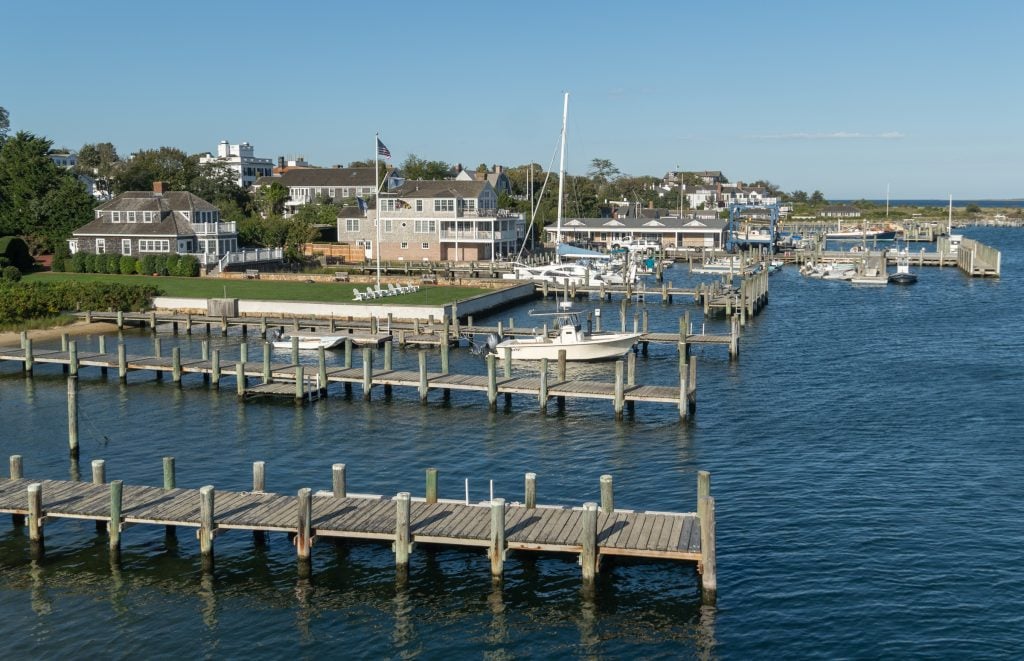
(575, 252)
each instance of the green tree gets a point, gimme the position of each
(270, 199)
(148, 165)
(973, 208)
(5, 125)
(602, 170)
(415, 167)
(799, 196)
(65, 207)
(818, 198)
(99, 159)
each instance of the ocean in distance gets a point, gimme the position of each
(865, 457)
(984, 204)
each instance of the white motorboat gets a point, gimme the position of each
(733, 264)
(308, 340)
(903, 274)
(571, 274)
(568, 335)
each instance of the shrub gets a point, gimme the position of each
(28, 300)
(92, 262)
(15, 249)
(172, 264)
(160, 264)
(60, 255)
(10, 273)
(188, 266)
(112, 264)
(79, 262)
(147, 265)
(128, 265)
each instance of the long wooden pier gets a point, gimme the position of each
(308, 382)
(592, 531)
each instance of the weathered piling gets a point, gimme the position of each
(114, 528)
(620, 390)
(339, 488)
(588, 542)
(304, 535)
(35, 518)
(122, 363)
(607, 494)
(367, 373)
(207, 525)
(403, 533)
(530, 490)
(708, 560)
(73, 416)
(497, 547)
(492, 383)
(431, 490)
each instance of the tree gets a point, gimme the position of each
(99, 159)
(149, 165)
(270, 199)
(973, 208)
(799, 196)
(602, 170)
(818, 198)
(5, 124)
(415, 167)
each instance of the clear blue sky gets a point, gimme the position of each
(842, 97)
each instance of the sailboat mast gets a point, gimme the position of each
(561, 180)
(887, 202)
(949, 230)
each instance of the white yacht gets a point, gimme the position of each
(568, 335)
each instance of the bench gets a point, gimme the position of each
(429, 279)
(252, 274)
(341, 276)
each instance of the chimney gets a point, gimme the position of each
(159, 187)
(498, 169)
(458, 168)
(280, 161)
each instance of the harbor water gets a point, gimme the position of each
(865, 453)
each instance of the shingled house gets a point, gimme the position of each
(157, 221)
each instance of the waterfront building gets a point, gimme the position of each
(308, 184)
(158, 221)
(839, 211)
(496, 178)
(698, 231)
(435, 221)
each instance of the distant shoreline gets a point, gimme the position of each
(984, 203)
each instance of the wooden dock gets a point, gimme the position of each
(306, 382)
(592, 531)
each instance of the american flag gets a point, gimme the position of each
(382, 150)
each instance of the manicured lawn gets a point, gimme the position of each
(270, 290)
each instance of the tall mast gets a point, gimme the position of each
(376, 200)
(887, 202)
(949, 230)
(561, 180)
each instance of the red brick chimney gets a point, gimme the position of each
(159, 187)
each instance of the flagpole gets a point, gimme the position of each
(376, 199)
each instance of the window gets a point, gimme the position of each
(130, 216)
(126, 246)
(405, 245)
(73, 246)
(470, 204)
(99, 214)
(419, 205)
(154, 245)
(389, 205)
(425, 226)
(187, 215)
(147, 216)
(115, 216)
(101, 246)
(351, 224)
(389, 225)
(444, 205)
(425, 245)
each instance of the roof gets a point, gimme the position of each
(446, 188)
(150, 201)
(323, 177)
(665, 223)
(170, 225)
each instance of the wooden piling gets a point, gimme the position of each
(207, 525)
(530, 491)
(620, 391)
(338, 486)
(300, 383)
(122, 363)
(367, 373)
(266, 362)
(431, 491)
(588, 542)
(176, 365)
(240, 379)
(304, 536)
(708, 561)
(607, 494)
(259, 476)
(403, 533)
(73, 358)
(348, 353)
(99, 476)
(16, 466)
(29, 358)
(542, 394)
(35, 514)
(492, 383)
(321, 373)
(73, 416)
(243, 352)
(215, 368)
(496, 551)
(424, 388)
(295, 350)
(114, 528)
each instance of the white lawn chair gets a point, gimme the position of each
(359, 296)
(393, 290)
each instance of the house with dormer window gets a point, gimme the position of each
(436, 221)
(158, 221)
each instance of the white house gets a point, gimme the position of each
(240, 160)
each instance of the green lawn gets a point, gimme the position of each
(270, 290)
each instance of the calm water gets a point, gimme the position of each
(865, 455)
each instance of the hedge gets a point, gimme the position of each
(30, 300)
(185, 266)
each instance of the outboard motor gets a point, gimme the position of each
(493, 339)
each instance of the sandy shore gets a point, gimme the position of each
(13, 339)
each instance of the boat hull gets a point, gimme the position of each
(309, 342)
(902, 278)
(597, 347)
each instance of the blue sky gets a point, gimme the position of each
(841, 97)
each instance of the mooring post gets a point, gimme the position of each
(607, 495)
(300, 383)
(16, 467)
(348, 353)
(263, 327)
(734, 338)
(403, 535)
(188, 323)
(703, 485)
(444, 348)
(530, 491)
(176, 365)
(295, 350)
(120, 320)
(243, 352)
(73, 358)
(240, 379)
(207, 526)
(492, 383)
(114, 528)
(691, 399)
(338, 486)
(497, 547)
(431, 493)
(588, 542)
(259, 476)
(73, 416)
(620, 390)
(684, 388)
(29, 359)
(204, 350)
(622, 313)
(266, 362)
(152, 320)
(169, 483)
(99, 476)
(35, 517)
(708, 562)
(157, 347)
(424, 385)
(542, 393)
(304, 538)
(215, 368)
(122, 363)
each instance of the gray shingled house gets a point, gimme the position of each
(157, 221)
